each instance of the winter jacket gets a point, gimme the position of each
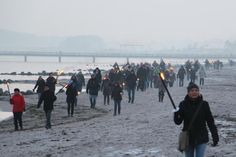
(71, 92)
(106, 87)
(116, 93)
(202, 73)
(181, 73)
(48, 98)
(40, 84)
(92, 87)
(18, 103)
(198, 132)
(51, 82)
(131, 81)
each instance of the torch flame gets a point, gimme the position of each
(59, 72)
(162, 76)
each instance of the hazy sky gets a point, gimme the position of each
(134, 20)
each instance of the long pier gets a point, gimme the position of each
(94, 55)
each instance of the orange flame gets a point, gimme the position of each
(59, 72)
(162, 76)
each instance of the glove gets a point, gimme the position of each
(214, 143)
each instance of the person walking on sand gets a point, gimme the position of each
(106, 89)
(18, 102)
(48, 97)
(117, 97)
(51, 82)
(202, 75)
(40, 86)
(181, 74)
(198, 134)
(131, 80)
(92, 89)
(71, 92)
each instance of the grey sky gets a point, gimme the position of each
(134, 20)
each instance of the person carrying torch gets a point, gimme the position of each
(196, 115)
(52, 81)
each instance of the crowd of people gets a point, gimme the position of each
(113, 83)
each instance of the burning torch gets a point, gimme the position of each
(59, 72)
(8, 88)
(162, 77)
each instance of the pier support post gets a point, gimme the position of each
(127, 59)
(93, 59)
(59, 59)
(25, 58)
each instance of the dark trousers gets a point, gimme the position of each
(92, 99)
(70, 105)
(48, 119)
(161, 96)
(201, 81)
(181, 82)
(117, 105)
(106, 99)
(76, 101)
(70, 108)
(18, 119)
(131, 94)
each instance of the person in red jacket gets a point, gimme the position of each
(18, 102)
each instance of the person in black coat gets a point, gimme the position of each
(51, 82)
(198, 133)
(106, 89)
(48, 97)
(181, 74)
(40, 86)
(116, 95)
(71, 93)
(131, 85)
(92, 89)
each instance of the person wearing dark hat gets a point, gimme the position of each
(48, 97)
(198, 133)
(18, 102)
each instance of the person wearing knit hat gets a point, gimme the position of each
(192, 85)
(198, 132)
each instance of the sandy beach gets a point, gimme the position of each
(144, 129)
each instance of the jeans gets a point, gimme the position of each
(131, 94)
(18, 119)
(92, 99)
(198, 149)
(201, 81)
(117, 105)
(48, 119)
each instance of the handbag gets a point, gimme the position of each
(184, 135)
(183, 141)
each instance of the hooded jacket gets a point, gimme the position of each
(198, 133)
